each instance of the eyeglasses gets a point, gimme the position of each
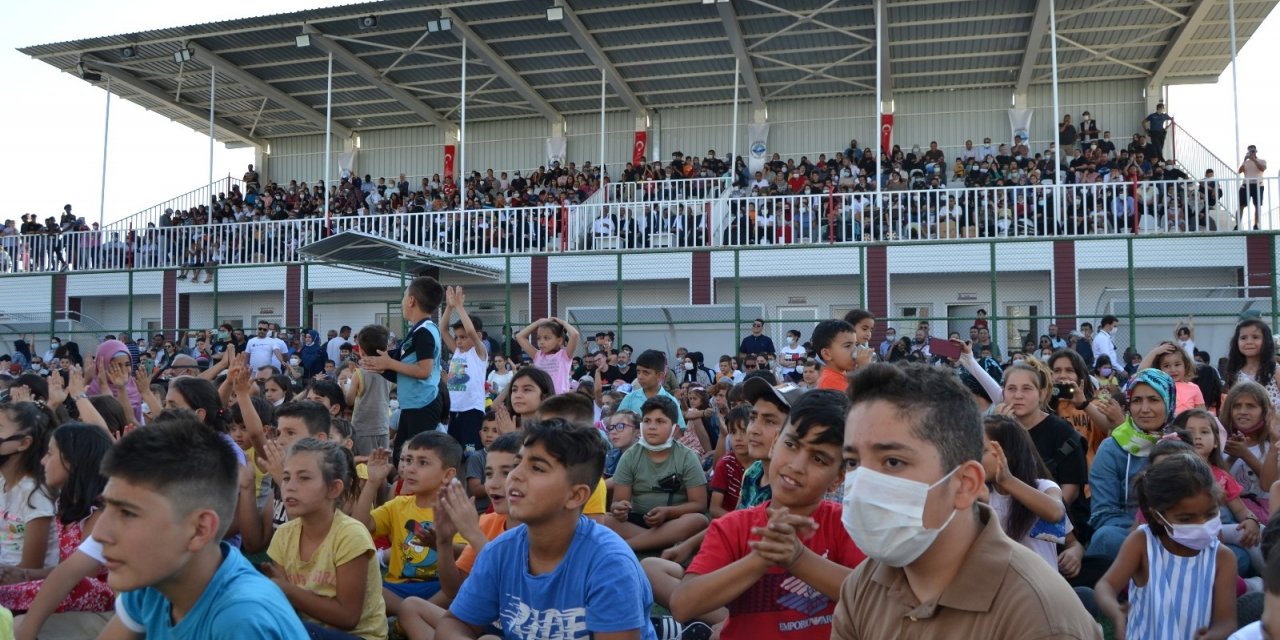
(619, 426)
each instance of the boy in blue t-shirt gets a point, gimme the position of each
(558, 574)
(170, 497)
(417, 371)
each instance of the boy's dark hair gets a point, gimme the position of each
(579, 448)
(191, 466)
(573, 408)
(739, 415)
(1168, 481)
(112, 413)
(661, 403)
(937, 407)
(266, 412)
(330, 391)
(1107, 320)
(507, 443)
(475, 322)
(311, 413)
(826, 331)
(823, 409)
(761, 373)
(426, 293)
(373, 338)
(652, 359)
(442, 444)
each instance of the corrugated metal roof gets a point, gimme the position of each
(670, 53)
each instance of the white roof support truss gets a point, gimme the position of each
(591, 48)
(509, 75)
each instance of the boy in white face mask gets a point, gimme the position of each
(659, 488)
(938, 562)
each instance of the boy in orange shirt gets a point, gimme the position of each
(834, 340)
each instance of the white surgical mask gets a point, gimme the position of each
(393, 404)
(884, 515)
(671, 439)
(688, 366)
(1194, 536)
(295, 361)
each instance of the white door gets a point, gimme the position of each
(802, 319)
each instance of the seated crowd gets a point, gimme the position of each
(448, 485)
(985, 190)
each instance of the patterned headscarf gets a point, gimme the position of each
(1161, 382)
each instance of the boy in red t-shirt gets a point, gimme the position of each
(778, 567)
(834, 342)
(726, 480)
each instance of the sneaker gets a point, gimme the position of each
(666, 628)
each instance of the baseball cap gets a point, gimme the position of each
(755, 389)
(183, 361)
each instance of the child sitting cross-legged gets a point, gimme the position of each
(323, 559)
(419, 617)
(778, 566)
(659, 489)
(429, 461)
(558, 572)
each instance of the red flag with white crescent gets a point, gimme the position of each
(640, 148)
(448, 163)
(886, 131)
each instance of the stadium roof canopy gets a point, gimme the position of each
(392, 70)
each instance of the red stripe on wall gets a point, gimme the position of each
(1258, 250)
(539, 292)
(169, 302)
(701, 277)
(1064, 285)
(293, 296)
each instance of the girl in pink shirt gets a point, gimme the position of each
(557, 340)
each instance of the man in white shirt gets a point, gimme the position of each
(1252, 167)
(335, 343)
(1103, 345)
(265, 350)
(986, 149)
(969, 153)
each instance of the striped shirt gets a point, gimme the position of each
(1178, 598)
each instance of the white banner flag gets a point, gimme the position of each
(346, 163)
(556, 148)
(757, 144)
(1020, 125)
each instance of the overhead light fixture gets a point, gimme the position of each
(368, 22)
(555, 14)
(302, 40)
(128, 52)
(443, 24)
(182, 55)
(86, 74)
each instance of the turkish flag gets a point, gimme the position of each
(639, 149)
(886, 131)
(448, 163)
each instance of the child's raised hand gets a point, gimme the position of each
(246, 474)
(506, 423)
(118, 375)
(1236, 447)
(620, 510)
(1002, 464)
(779, 542)
(379, 465)
(273, 452)
(57, 390)
(142, 378)
(75, 382)
(461, 509)
(239, 377)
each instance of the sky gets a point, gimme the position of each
(54, 121)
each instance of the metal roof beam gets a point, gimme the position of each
(886, 58)
(362, 69)
(1035, 41)
(729, 18)
(477, 45)
(267, 91)
(149, 90)
(591, 48)
(1181, 39)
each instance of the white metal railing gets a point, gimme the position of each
(1195, 156)
(198, 197)
(1079, 210)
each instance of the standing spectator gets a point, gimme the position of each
(1253, 168)
(334, 345)
(1103, 345)
(265, 350)
(1067, 134)
(757, 342)
(1157, 125)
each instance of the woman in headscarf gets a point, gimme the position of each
(313, 354)
(114, 353)
(1151, 398)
